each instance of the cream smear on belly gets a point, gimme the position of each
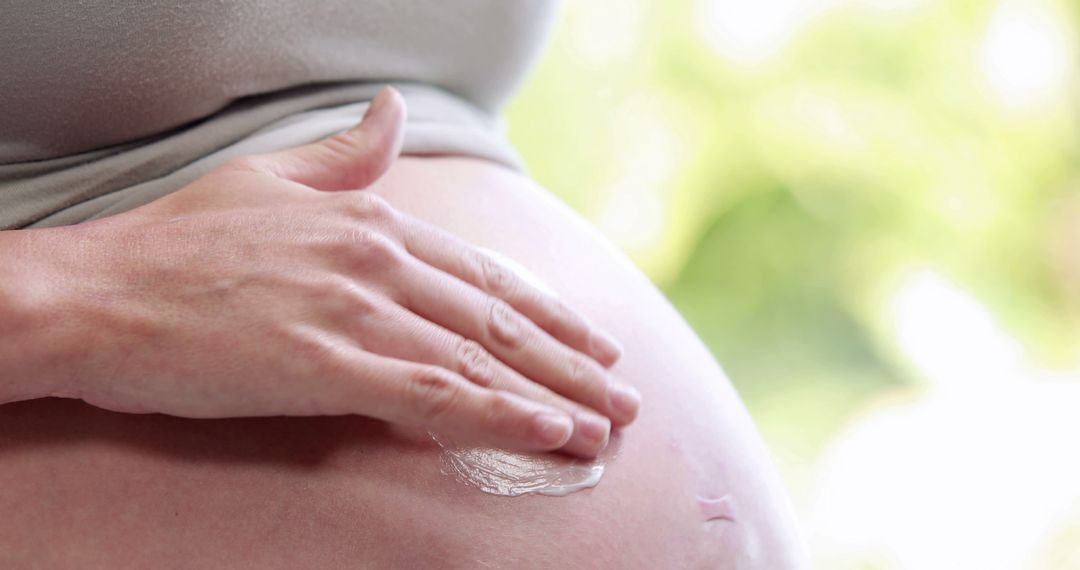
(512, 474)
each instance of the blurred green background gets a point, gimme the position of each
(870, 211)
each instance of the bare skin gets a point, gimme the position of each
(272, 287)
(128, 491)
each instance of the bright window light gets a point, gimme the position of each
(980, 478)
(1027, 54)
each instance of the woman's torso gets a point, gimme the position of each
(107, 104)
(690, 487)
(79, 76)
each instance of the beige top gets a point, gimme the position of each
(107, 105)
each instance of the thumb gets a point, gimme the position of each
(350, 160)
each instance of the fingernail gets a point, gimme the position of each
(625, 400)
(594, 429)
(606, 347)
(552, 430)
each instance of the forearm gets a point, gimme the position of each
(37, 344)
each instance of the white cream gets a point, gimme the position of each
(512, 474)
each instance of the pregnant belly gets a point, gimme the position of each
(690, 486)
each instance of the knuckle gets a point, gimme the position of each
(361, 304)
(379, 209)
(579, 373)
(433, 393)
(494, 277)
(357, 304)
(504, 325)
(373, 249)
(475, 363)
(369, 207)
(344, 295)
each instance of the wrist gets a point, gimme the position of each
(41, 345)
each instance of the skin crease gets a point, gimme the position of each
(133, 491)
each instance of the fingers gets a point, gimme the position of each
(451, 254)
(398, 333)
(515, 340)
(347, 161)
(446, 403)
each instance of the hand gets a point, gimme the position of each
(272, 286)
